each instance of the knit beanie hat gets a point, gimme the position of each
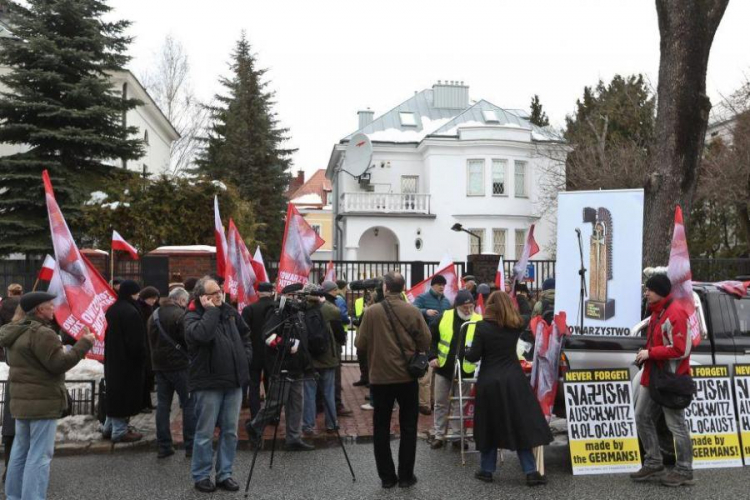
(438, 279)
(659, 284)
(128, 288)
(549, 284)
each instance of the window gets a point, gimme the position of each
(498, 177)
(316, 228)
(490, 116)
(520, 178)
(473, 242)
(409, 185)
(145, 138)
(475, 178)
(407, 119)
(498, 241)
(743, 315)
(520, 241)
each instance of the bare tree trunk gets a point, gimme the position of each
(687, 31)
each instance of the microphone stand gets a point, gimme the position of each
(582, 274)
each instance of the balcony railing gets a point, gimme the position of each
(386, 203)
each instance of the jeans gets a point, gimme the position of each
(167, 383)
(215, 408)
(115, 428)
(383, 397)
(488, 461)
(28, 470)
(647, 411)
(327, 379)
(253, 390)
(289, 394)
(442, 400)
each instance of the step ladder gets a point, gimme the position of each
(458, 379)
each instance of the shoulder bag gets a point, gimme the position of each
(418, 364)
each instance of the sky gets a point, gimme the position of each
(326, 60)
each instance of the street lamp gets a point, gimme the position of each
(459, 228)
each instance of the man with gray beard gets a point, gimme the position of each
(445, 352)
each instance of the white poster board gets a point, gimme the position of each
(611, 230)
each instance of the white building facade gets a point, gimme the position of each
(439, 160)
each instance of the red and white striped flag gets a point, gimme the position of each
(451, 286)
(119, 243)
(530, 248)
(259, 266)
(300, 242)
(48, 269)
(479, 309)
(500, 275)
(681, 277)
(330, 272)
(221, 241)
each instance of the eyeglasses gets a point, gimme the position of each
(213, 294)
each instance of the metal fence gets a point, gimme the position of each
(719, 269)
(82, 392)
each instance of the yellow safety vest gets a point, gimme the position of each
(446, 334)
(359, 306)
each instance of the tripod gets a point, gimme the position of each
(291, 327)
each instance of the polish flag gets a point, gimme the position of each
(451, 286)
(48, 269)
(84, 290)
(221, 241)
(300, 242)
(479, 309)
(259, 266)
(240, 278)
(681, 277)
(330, 272)
(119, 243)
(530, 248)
(500, 275)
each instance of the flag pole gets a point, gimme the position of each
(111, 267)
(33, 289)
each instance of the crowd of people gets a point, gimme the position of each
(289, 348)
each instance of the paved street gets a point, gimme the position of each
(322, 474)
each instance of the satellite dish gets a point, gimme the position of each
(358, 155)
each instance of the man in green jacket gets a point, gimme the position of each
(38, 363)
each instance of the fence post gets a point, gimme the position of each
(417, 272)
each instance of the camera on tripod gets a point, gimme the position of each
(372, 285)
(294, 299)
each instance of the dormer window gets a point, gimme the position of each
(407, 119)
(490, 116)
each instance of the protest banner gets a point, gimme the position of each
(601, 421)
(711, 419)
(610, 224)
(742, 393)
(300, 242)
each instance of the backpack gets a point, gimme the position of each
(548, 311)
(318, 339)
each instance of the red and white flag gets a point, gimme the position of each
(48, 269)
(300, 242)
(119, 243)
(259, 266)
(500, 275)
(330, 272)
(240, 277)
(221, 241)
(87, 295)
(530, 248)
(681, 277)
(479, 308)
(451, 286)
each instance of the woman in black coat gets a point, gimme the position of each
(507, 414)
(124, 363)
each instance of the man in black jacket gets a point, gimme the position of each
(255, 316)
(218, 341)
(166, 337)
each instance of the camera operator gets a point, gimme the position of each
(287, 362)
(331, 293)
(255, 316)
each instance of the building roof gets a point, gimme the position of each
(314, 191)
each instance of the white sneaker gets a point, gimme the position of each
(367, 406)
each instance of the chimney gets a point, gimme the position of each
(450, 95)
(296, 182)
(365, 118)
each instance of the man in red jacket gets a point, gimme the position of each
(668, 345)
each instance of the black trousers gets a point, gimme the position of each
(364, 373)
(383, 397)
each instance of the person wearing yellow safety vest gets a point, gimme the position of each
(445, 353)
(359, 309)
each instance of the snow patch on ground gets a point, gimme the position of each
(78, 428)
(187, 248)
(87, 369)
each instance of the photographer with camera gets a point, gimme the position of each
(393, 333)
(287, 363)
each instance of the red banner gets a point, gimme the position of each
(681, 276)
(300, 242)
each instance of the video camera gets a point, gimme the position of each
(293, 299)
(369, 286)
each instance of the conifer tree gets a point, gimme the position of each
(244, 145)
(538, 116)
(61, 109)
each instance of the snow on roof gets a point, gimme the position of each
(398, 135)
(308, 199)
(186, 248)
(94, 250)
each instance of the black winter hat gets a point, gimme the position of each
(265, 287)
(438, 279)
(32, 299)
(659, 284)
(128, 288)
(463, 297)
(148, 292)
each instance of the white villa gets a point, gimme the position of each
(440, 159)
